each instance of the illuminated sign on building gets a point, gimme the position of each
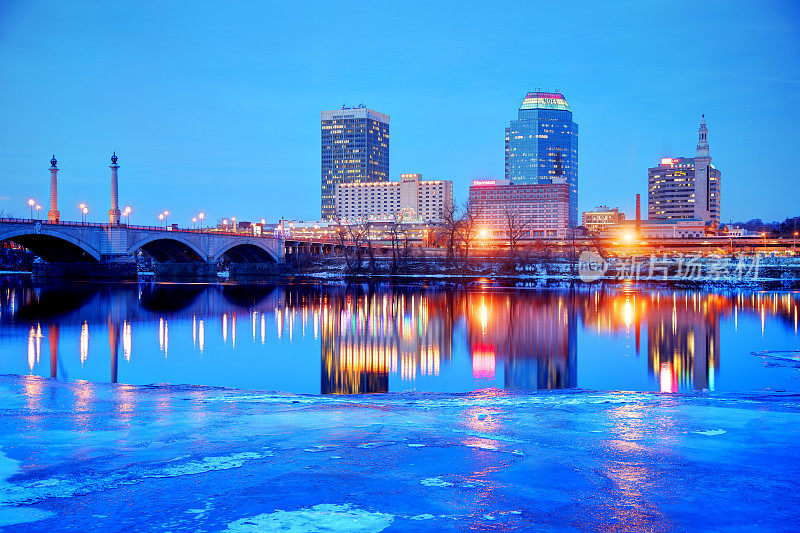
(488, 183)
(543, 100)
(666, 160)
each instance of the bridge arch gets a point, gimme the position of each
(247, 251)
(53, 246)
(169, 249)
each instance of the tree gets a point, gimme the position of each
(366, 226)
(344, 239)
(451, 224)
(516, 225)
(468, 227)
(395, 226)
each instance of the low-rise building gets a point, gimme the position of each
(537, 211)
(601, 218)
(411, 198)
(689, 228)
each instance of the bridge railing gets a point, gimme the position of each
(212, 231)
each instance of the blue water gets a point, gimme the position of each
(329, 339)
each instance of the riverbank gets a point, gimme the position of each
(77, 455)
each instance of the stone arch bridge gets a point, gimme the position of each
(103, 250)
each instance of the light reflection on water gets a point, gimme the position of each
(335, 339)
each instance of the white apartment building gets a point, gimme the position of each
(411, 198)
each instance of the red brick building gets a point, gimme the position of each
(539, 211)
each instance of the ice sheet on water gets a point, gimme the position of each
(28, 492)
(11, 515)
(785, 358)
(324, 517)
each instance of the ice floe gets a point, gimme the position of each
(320, 518)
(436, 482)
(710, 432)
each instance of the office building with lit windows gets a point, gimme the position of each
(601, 218)
(686, 187)
(538, 211)
(410, 199)
(355, 149)
(542, 145)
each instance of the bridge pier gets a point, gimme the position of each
(252, 271)
(102, 270)
(195, 271)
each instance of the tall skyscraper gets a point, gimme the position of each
(685, 187)
(355, 149)
(542, 144)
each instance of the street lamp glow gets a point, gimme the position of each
(483, 233)
(31, 202)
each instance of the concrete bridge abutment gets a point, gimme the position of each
(254, 271)
(118, 270)
(198, 271)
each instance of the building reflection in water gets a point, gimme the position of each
(371, 336)
(682, 331)
(534, 336)
(367, 336)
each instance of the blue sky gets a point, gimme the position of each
(215, 106)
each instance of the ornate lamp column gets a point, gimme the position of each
(53, 215)
(114, 213)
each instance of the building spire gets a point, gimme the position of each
(702, 139)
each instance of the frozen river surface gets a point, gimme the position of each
(82, 456)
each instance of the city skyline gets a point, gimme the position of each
(206, 127)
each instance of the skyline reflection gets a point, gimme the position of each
(373, 340)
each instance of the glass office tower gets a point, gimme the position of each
(542, 145)
(355, 149)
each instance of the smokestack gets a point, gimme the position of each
(639, 215)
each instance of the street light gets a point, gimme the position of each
(225, 224)
(233, 223)
(31, 203)
(194, 220)
(166, 218)
(127, 213)
(201, 216)
(85, 212)
(628, 238)
(794, 243)
(38, 208)
(161, 218)
(764, 234)
(80, 210)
